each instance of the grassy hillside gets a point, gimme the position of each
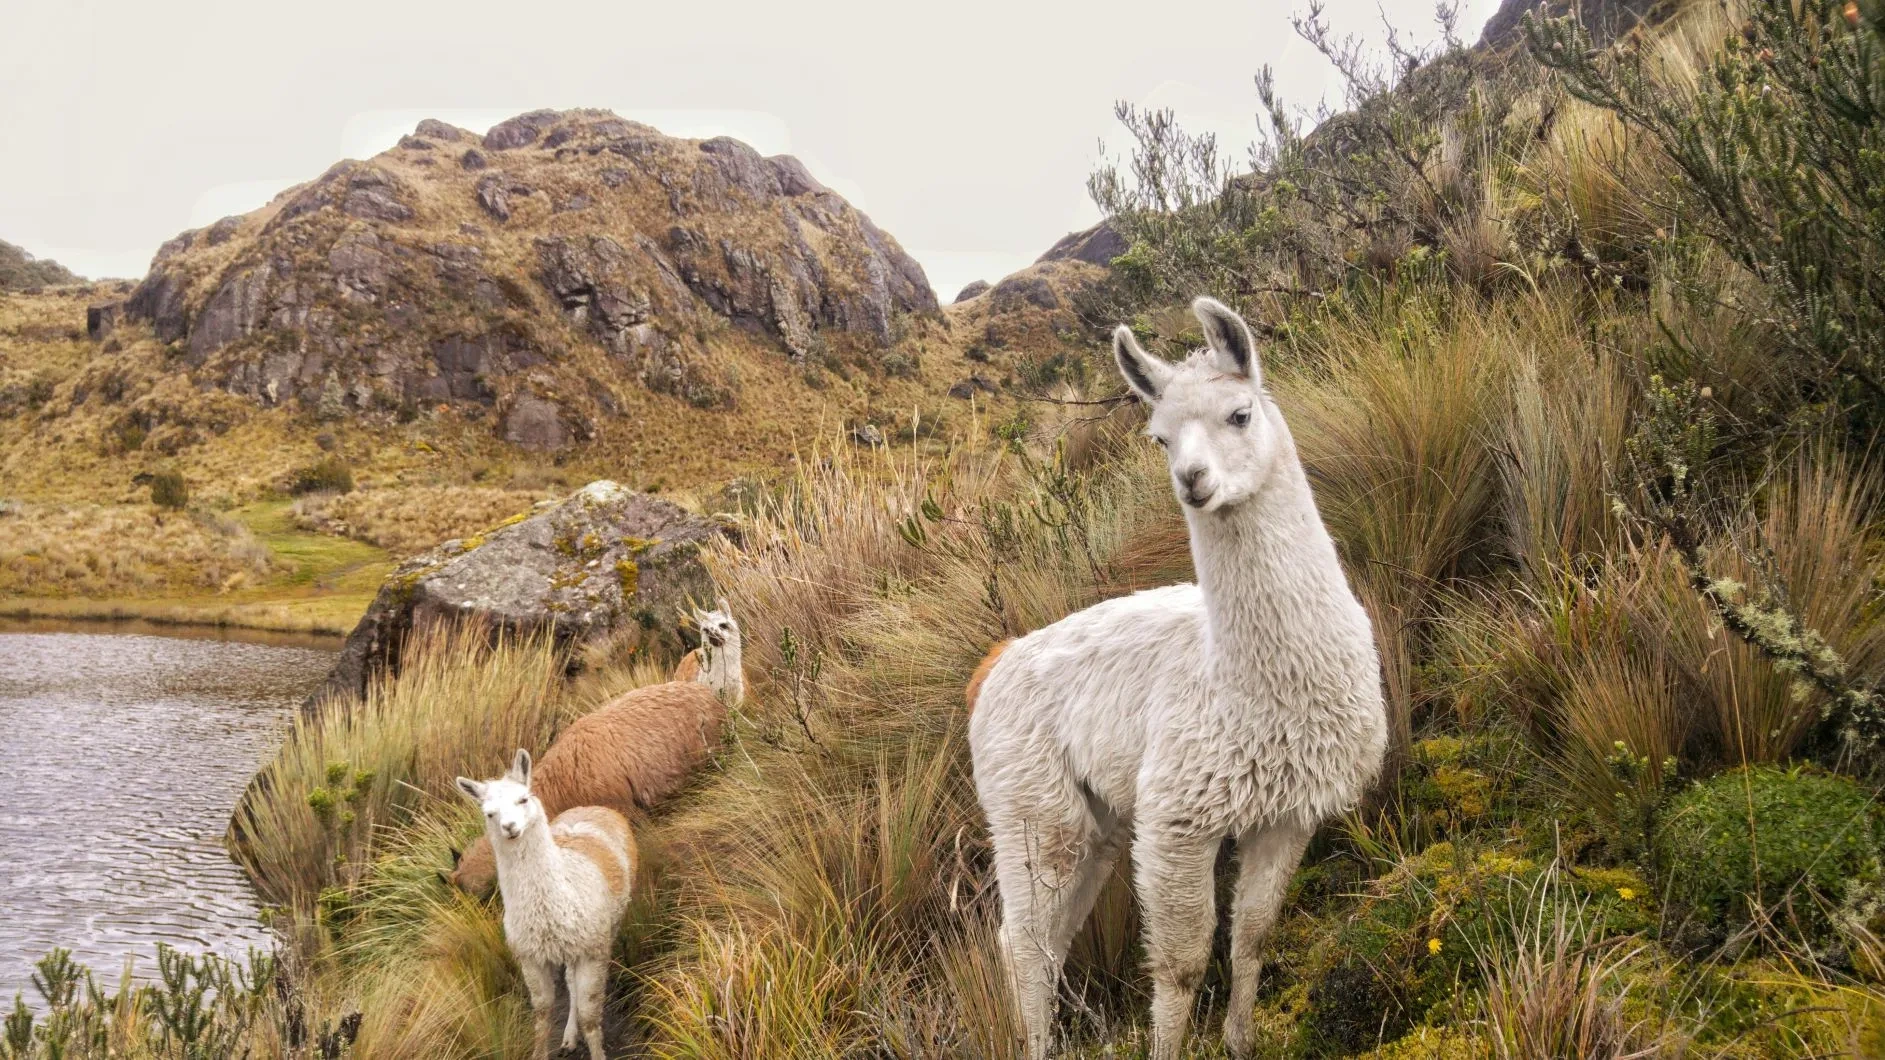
(20, 270)
(1595, 432)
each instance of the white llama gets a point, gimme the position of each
(716, 663)
(565, 885)
(1248, 705)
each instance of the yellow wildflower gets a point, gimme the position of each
(1433, 946)
(1628, 894)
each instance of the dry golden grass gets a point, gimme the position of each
(123, 550)
(375, 762)
(1624, 658)
(408, 521)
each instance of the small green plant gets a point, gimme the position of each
(200, 1008)
(168, 490)
(1760, 843)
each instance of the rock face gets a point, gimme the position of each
(1098, 245)
(562, 253)
(1028, 310)
(1605, 19)
(604, 559)
(974, 288)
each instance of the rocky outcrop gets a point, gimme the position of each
(1605, 19)
(606, 559)
(1098, 245)
(440, 270)
(975, 289)
(1028, 310)
(1029, 287)
(964, 389)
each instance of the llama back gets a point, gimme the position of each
(634, 751)
(1083, 690)
(604, 837)
(688, 669)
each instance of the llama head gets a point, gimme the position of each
(509, 807)
(1211, 414)
(717, 627)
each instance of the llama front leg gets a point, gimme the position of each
(1177, 899)
(1039, 873)
(588, 981)
(540, 980)
(569, 1022)
(1266, 859)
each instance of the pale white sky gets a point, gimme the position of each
(965, 129)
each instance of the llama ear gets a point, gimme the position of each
(1229, 337)
(725, 608)
(520, 767)
(472, 789)
(1146, 374)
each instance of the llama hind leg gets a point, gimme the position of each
(1040, 874)
(540, 980)
(1089, 880)
(1266, 859)
(588, 981)
(1176, 896)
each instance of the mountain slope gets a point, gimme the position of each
(538, 270)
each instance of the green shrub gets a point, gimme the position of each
(328, 475)
(1781, 149)
(1766, 838)
(168, 490)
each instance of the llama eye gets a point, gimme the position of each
(1240, 419)
(523, 800)
(1162, 443)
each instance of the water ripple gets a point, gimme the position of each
(122, 756)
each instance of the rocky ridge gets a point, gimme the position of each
(533, 271)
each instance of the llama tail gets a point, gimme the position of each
(974, 691)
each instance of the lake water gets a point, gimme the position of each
(121, 757)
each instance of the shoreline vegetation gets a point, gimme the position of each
(1583, 368)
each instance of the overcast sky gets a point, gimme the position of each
(965, 129)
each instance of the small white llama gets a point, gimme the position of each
(716, 663)
(1248, 705)
(565, 885)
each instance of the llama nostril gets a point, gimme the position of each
(1191, 477)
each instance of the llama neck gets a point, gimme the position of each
(720, 670)
(529, 869)
(1270, 577)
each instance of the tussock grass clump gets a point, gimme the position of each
(1396, 414)
(313, 818)
(1553, 992)
(327, 475)
(168, 490)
